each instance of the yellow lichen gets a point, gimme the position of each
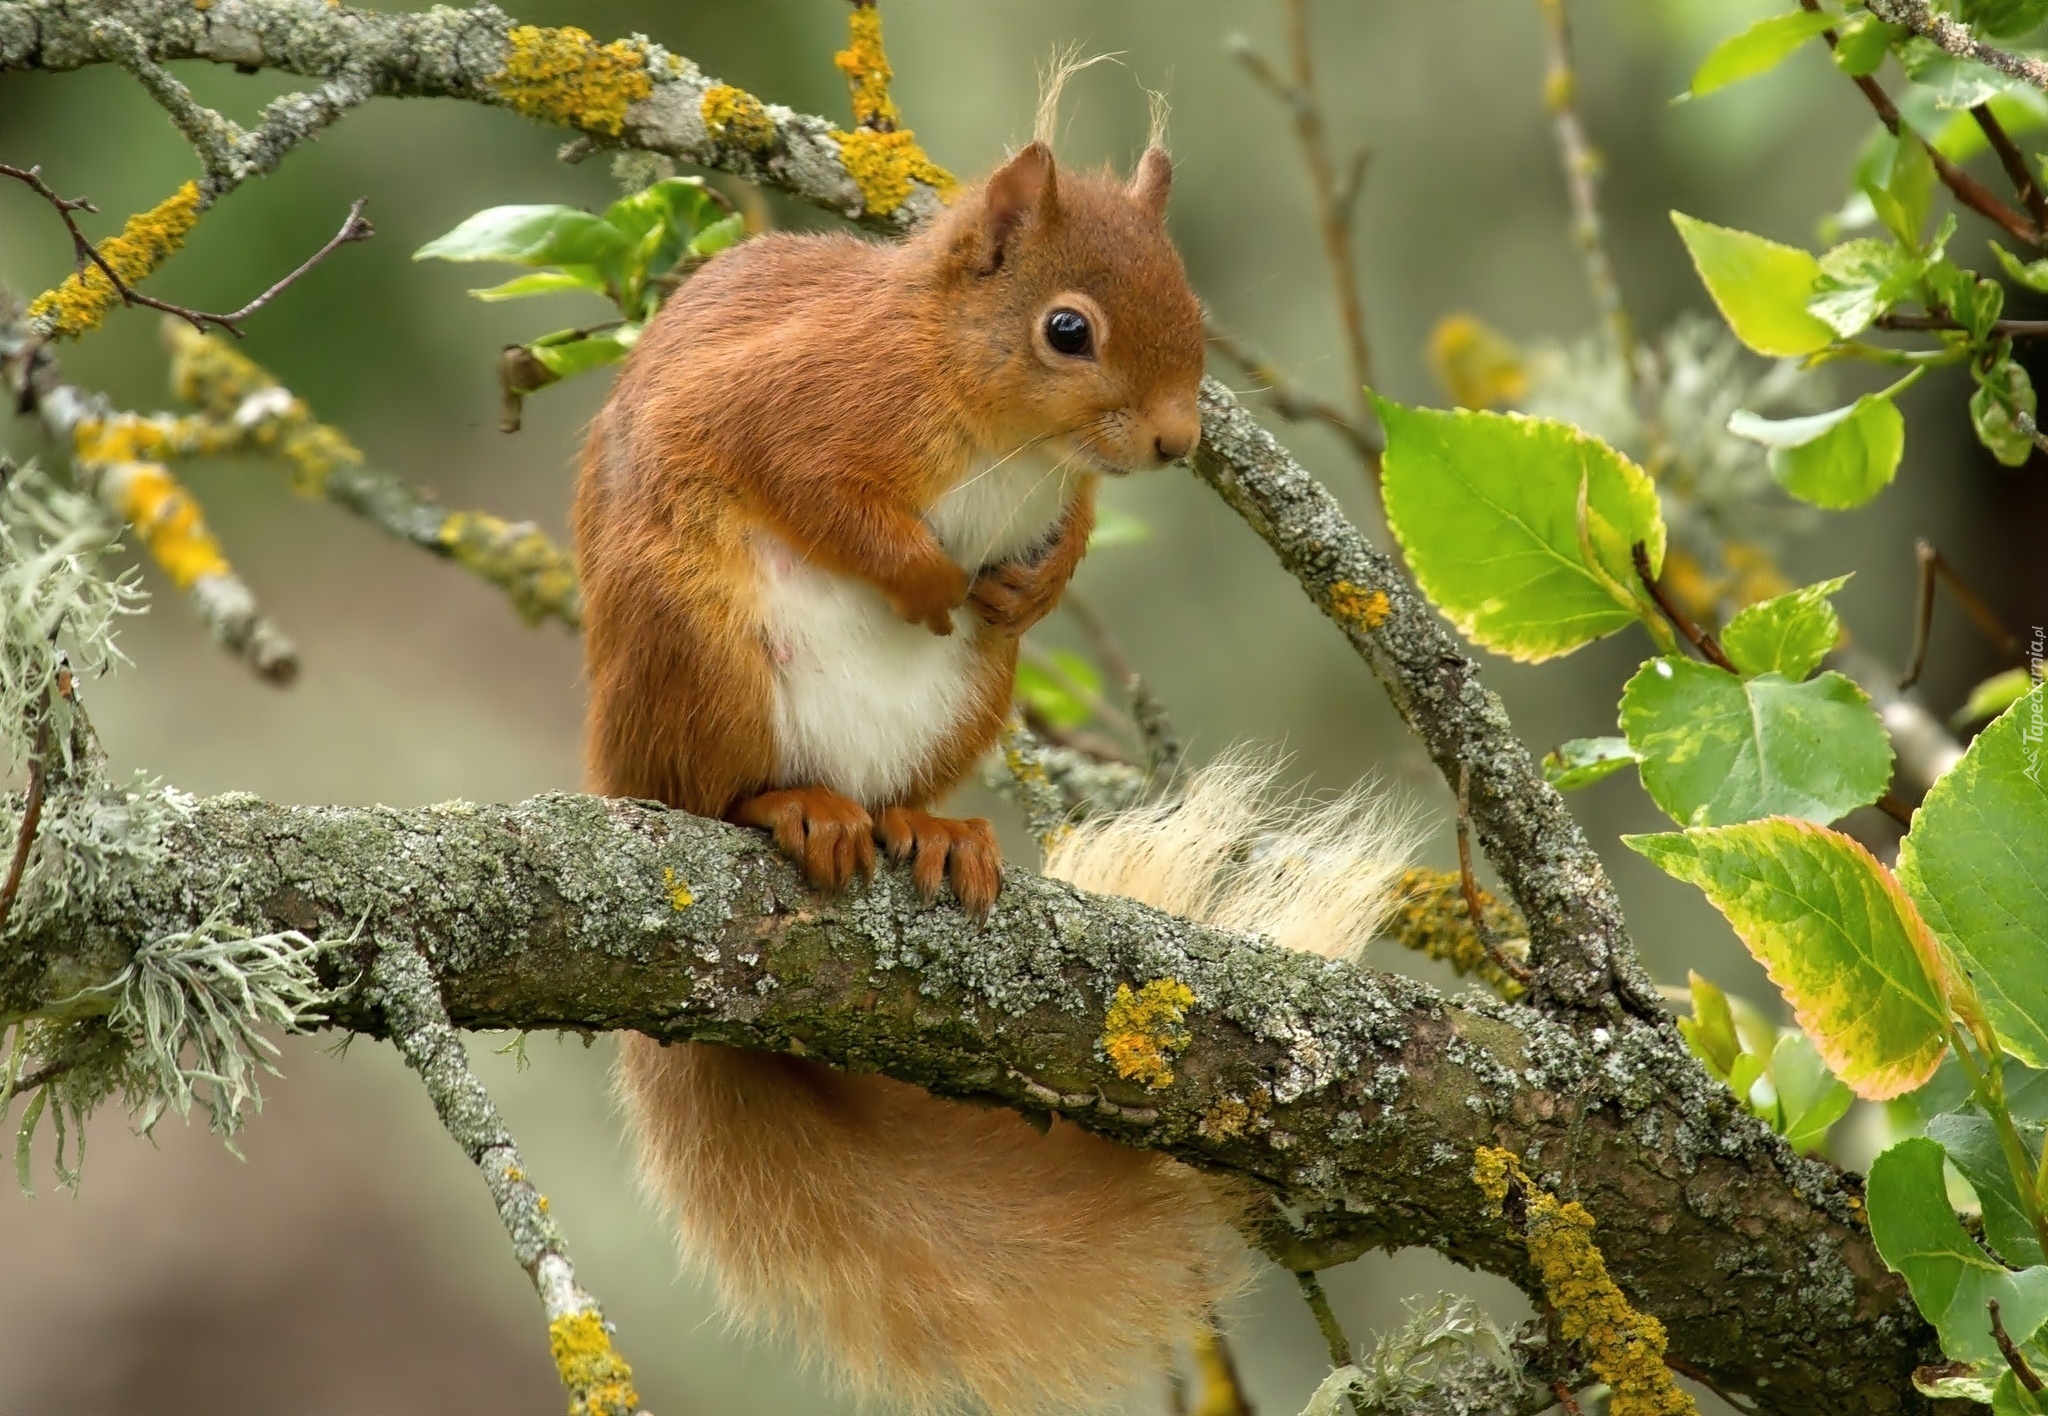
(562, 75)
(246, 402)
(867, 70)
(148, 497)
(1433, 919)
(131, 437)
(597, 1378)
(145, 242)
(885, 165)
(679, 894)
(737, 115)
(1230, 1117)
(1624, 1347)
(1478, 367)
(1355, 605)
(519, 559)
(1143, 1030)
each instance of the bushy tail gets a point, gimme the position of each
(930, 1249)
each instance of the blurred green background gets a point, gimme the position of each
(353, 1262)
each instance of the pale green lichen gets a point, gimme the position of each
(562, 75)
(518, 558)
(146, 241)
(1143, 1030)
(1624, 1346)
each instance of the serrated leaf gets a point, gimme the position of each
(1486, 505)
(568, 353)
(1976, 864)
(1863, 42)
(1760, 286)
(1584, 761)
(1710, 1032)
(544, 282)
(1716, 749)
(2032, 274)
(1810, 1100)
(1788, 634)
(1971, 1141)
(1837, 460)
(1836, 934)
(1117, 528)
(1993, 696)
(529, 235)
(2004, 393)
(1757, 50)
(1860, 280)
(1919, 1237)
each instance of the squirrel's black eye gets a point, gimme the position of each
(1067, 332)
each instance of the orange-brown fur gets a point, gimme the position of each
(832, 391)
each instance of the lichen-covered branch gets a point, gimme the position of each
(625, 93)
(597, 1378)
(1956, 38)
(1579, 947)
(1358, 1098)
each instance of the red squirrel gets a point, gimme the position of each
(833, 485)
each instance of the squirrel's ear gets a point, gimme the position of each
(1152, 181)
(1021, 186)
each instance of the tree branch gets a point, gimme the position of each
(1355, 1097)
(1919, 17)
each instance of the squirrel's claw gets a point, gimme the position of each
(829, 835)
(1013, 596)
(940, 849)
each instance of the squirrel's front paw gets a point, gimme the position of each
(1015, 595)
(941, 849)
(830, 836)
(929, 592)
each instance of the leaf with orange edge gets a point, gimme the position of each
(1836, 933)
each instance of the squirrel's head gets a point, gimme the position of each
(1070, 296)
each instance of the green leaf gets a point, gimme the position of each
(1860, 280)
(2012, 1399)
(2004, 393)
(1836, 934)
(1743, 1076)
(1760, 287)
(1976, 863)
(1952, 82)
(1919, 1236)
(568, 353)
(1788, 634)
(1757, 50)
(1902, 190)
(544, 282)
(1058, 697)
(1116, 528)
(1487, 507)
(1810, 1100)
(1710, 1032)
(718, 235)
(1992, 697)
(1837, 460)
(660, 221)
(1717, 749)
(1961, 137)
(2032, 274)
(2002, 19)
(1863, 42)
(1584, 761)
(1971, 1140)
(529, 235)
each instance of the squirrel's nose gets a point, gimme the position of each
(1174, 444)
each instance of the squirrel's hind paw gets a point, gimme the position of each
(941, 849)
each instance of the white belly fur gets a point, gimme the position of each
(862, 697)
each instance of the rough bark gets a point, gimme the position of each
(1357, 1098)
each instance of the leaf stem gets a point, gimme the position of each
(1989, 1085)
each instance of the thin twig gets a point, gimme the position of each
(353, 228)
(1919, 17)
(1710, 648)
(2014, 1358)
(1892, 806)
(1098, 705)
(1565, 1399)
(2015, 163)
(1967, 189)
(1934, 566)
(1502, 960)
(1080, 740)
(32, 810)
(1326, 1319)
(1291, 402)
(1582, 180)
(2011, 329)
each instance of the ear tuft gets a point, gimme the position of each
(1153, 180)
(1023, 185)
